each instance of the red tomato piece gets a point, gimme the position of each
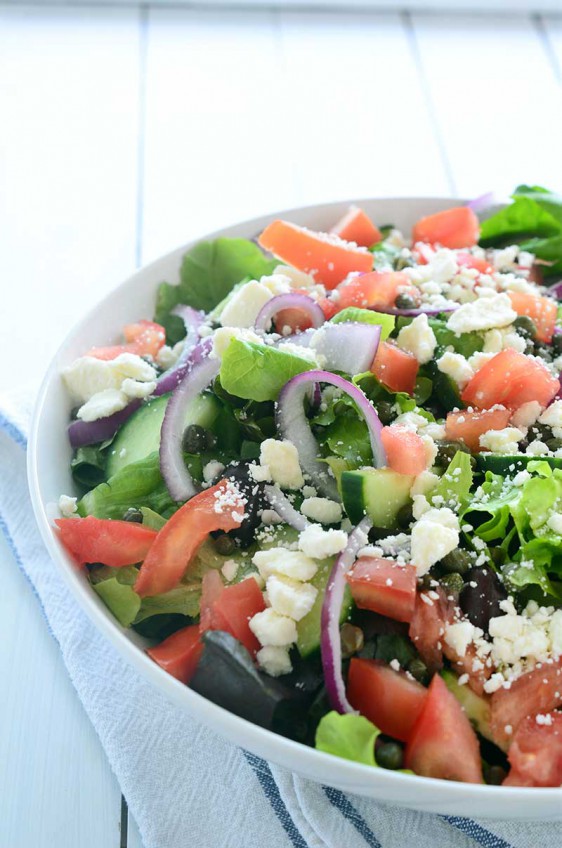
(405, 450)
(328, 259)
(469, 426)
(383, 586)
(427, 627)
(113, 543)
(145, 338)
(378, 288)
(479, 263)
(396, 368)
(357, 226)
(388, 698)
(541, 310)
(212, 588)
(179, 653)
(511, 379)
(237, 604)
(535, 753)
(454, 228)
(329, 307)
(516, 779)
(538, 691)
(178, 540)
(442, 743)
(296, 319)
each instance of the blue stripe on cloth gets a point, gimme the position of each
(267, 782)
(338, 800)
(484, 837)
(13, 431)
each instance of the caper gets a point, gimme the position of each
(133, 514)
(386, 412)
(389, 755)
(554, 444)
(405, 301)
(426, 582)
(404, 516)
(452, 583)
(525, 326)
(557, 343)
(194, 439)
(224, 544)
(494, 775)
(446, 452)
(418, 669)
(402, 262)
(352, 639)
(456, 562)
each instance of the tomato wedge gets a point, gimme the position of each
(113, 543)
(212, 588)
(442, 743)
(383, 586)
(236, 605)
(427, 627)
(478, 263)
(357, 226)
(144, 338)
(535, 754)
(454, 228)
(542, 311)
(376, 289)
(405, 450)
(178, 540)
(388, 698)
(511, 379)
(328, 259)
(396, 368)
(179, 653)
(469, 426)
(538, 691)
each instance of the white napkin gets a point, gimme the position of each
(184, 785)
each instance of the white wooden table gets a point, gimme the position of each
(125, 131)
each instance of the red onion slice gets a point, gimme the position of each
(291, 300)
(285, 509)
(348, 347)
(413, 313)
(555, 291)
(192, 319)
(482, 202)
(82, 433)
(330, 641)
(176, 476)
(294, 426)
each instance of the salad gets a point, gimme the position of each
(325, 483)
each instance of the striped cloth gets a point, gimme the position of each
(186, 786)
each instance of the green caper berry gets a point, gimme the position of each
(557, 343)
(495, 775)
(194, 439)
(498, 556)
(224, 544)
(418, 669)
(133, 514)
(456, 562)
(404, 516)
(554, 444)
(211, 440)
(390, 755)
(403, 262)
(426, 582)
(446, 452)
(352, 639)
(452, 583)
(405, 301)
(386, 412)
(525, 326)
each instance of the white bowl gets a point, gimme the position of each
(49, 476)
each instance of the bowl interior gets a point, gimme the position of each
(49, 477)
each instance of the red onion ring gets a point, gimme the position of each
(285, 509)
(413, 313)
(555, 291)
(482, 202)
(348, 347)
(330, 641)
(176, 476)
(294, 426)
(192, 319)
(291, 300)
(82, 433)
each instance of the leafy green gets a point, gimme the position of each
(348, 438)
(349, 736)
(258, 372)
(394, 646)
(377, 393)
(115, 588)
(466, 344)
(354, 314)
(88, 466)
(183, 600)
(454, 486)
(152, 519)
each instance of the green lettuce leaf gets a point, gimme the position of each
(453, 488)
(258, 372)
(115, 587)
(88, 466)
(355, 315)
(349, 736)
(524, 218)
(466, 344)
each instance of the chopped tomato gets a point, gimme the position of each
(454, 228)
(378, 288)
(212, 588)
(357, 226)
(230, 608)
(296, 319)
(469, 426)
(442, 743)
(328, 259)
(383, 586)
(512, 379)
(538, 691)
(479, 263)
(178, 540)
(113, 543)
(179, 653)
(405, 450)
(427, 627)
(535, 753)
(388, 698)
(516, 779)
(145, 338)
(329, 307)
(541, 310)
(396, 368)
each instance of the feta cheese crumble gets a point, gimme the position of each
(419, 339)
(282, 460)
(318, 543)
(482, 314)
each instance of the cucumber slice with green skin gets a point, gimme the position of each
(140, 435)
(476, 707)
(377, 492)
(509, 465)
(445, 390)
(309, 628)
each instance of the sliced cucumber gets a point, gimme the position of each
(476, 707)
(377, 492)
(509, 465)
(309, 627)
(140, 435)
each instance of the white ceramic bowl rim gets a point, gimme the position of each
(409, 790)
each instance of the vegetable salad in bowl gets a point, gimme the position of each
(325, 483)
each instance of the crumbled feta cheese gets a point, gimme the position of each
(282, 459)
(431, 450)
(552, 416)
(478, 360)
(419, 339)
(505, 258)
(244, 305)
(260, 473)
(103, 404)
(482, 314)
(498, 340)
(275, 661)
(501, 441)
(168, 356)
(521, 478)
(282, 561)
(434, 536)
(318, 543)
(456, 367)
(299, 280)
(519, 641)
(290, 597)
(230, 570)
(88, 376)
(459, 635)
(277, 283)
(270, 628)
(537, 448)
(224, 335)
(555, 522)
(555, 631)
(424, 483)
(67, 506)
(420, 506)
(270, 516)
(323, 510)
(527, 414)
(135, 389)
(212, 470)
